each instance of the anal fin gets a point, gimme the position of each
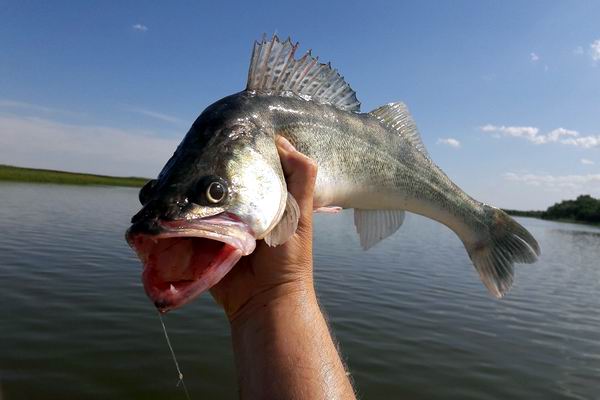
(375, 225)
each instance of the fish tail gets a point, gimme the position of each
(506, 243)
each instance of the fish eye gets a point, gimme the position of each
(210, 190)
(146, 191)
(215, 192)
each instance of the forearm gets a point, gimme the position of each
(283, 350)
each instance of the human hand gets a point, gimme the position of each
(270, 273)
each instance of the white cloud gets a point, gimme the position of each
(556, 134)
(140, 27)
(567, 184)
(534, 57)
(156, 115)
(528, 132)
(586, 142)
(532, 134)
(585, 161)
(45, 143)
(449, 142)
(24, 106)
(595, 50)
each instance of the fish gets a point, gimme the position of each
(224, 189)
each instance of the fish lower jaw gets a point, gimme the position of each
(189, 257)
(171, 292)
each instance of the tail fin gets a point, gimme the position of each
(507, 243)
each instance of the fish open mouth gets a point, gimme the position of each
(189, 257)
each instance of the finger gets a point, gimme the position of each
(300, 173)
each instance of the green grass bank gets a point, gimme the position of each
(34, 175)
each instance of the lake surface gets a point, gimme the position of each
(411, 316)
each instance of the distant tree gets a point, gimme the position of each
(585, 208)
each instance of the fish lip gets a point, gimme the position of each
(238, 241)
(201, 228)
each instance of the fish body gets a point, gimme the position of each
(223, 189)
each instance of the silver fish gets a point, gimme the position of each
(224, 189)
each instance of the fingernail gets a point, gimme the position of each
(287, 146)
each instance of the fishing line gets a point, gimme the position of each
(180, 375)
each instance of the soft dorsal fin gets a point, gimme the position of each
(396, 117)
(275, 70)
(375, 225)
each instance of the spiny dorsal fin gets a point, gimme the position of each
(396, 117)
(375, 225)
(275, 70)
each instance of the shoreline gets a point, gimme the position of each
(9, 173)
(528, 214)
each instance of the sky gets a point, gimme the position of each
(506, 94)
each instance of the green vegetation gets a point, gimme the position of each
(584, 209)
(18, 174)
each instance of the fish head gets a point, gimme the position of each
(222, 190)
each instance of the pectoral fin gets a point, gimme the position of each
(287, 225)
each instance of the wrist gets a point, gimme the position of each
(290, 294)
(283, 348)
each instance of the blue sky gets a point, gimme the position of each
(506, 94)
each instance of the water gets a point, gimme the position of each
(411, 316)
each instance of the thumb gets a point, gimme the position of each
(300, 174)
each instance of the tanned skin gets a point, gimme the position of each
(282, 345)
